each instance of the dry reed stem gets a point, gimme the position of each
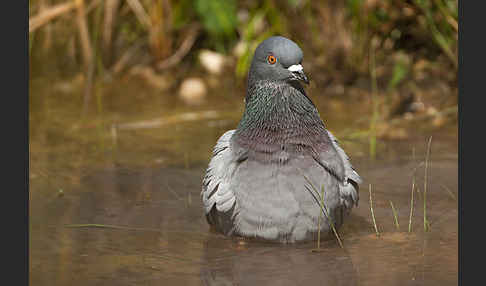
(86, 50)
(160, 40)
(47, 30)
(110, 10)
(126, 57)
(83, 34)
(182, 51)
(59, 10)
(48, 14)
(139, 12)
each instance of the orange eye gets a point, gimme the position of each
(271, 59)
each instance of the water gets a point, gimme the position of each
(117, 203)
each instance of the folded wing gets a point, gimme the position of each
(351, 180)
(216, 193)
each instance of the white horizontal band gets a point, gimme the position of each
(295, 68)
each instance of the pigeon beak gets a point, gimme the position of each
(298, 73)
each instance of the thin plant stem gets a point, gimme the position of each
(373, 214)
(449, 192)
(329, 219)
(411, 205)
(96, 225)
(395, 215)
(109, 226)
(426, 223)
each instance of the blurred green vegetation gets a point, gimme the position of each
(336, 35)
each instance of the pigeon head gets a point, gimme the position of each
(277, 58)
(278, 112)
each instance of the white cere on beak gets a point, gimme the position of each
(295, 68)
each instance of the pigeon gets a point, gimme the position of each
(280, 175)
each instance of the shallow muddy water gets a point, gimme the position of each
(114, 198)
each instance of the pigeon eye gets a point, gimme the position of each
(271, 59)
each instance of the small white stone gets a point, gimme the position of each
(417, 106)
(213, 62)
(193, 90)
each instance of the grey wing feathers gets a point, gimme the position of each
(350, 187)
(215, 190)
